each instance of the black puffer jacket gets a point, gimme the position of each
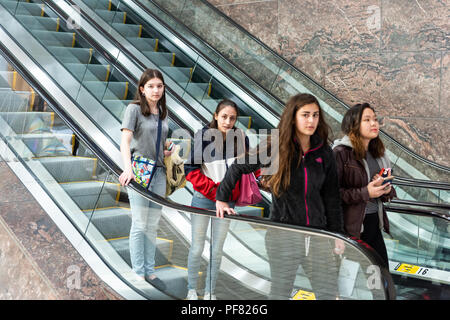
(312, 199)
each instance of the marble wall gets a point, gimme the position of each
(393, 54)
(36, 260)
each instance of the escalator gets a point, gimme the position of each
(91, 209)
(223, 82)
(104, 88)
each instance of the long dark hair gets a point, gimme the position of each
(351, 127)
(280, 181)
(140, 99)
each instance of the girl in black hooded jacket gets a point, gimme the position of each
(305, 192)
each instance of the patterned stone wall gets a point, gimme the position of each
(392, 54)
(36, 259)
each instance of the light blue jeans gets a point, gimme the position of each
(219, 230)
(145, 217)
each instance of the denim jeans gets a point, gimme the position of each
(219, 230)
(145, 217)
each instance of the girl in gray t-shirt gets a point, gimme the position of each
(139, 136)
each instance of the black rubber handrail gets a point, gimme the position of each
(332, 96)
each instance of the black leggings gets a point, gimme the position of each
(373, 237)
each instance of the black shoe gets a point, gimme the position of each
(156, 282)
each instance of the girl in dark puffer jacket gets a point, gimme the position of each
(305, 192)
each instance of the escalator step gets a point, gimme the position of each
(70, 168)
(128, 30)
(93, 194)
(162, 256)
(72, 55)
(39, 23)
(146, 44)
(89, 72)
(53, 38)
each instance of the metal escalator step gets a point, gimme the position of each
(244, 122)
(161, 59)
(89, 72)
(116, 107)
(29, 122)
(96, 4)
(107, 90)
(146, 44)
(17, 101)
(197, 90)
(54, 38)
(71, 55)
(70, 168)
(178, 74)
(24, 8)
(39, 23)
(113, 223)
(93, 194)
(162, 256)
(175, 279)
(128, 30)
(49, 144)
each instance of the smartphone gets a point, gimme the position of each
(384, 174)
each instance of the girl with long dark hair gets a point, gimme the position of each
(139, 138)
(360, 156)
(212, 151)
(304, 190)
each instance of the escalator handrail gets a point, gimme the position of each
(337, 100)
(116, 170)
(402, 181)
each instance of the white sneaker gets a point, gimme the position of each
(192, 295)
(209, 296)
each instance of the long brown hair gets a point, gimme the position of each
(351, 127)
(280, 181)
(140, 99)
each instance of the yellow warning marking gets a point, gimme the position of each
(91, 50)
(14, 80)
(304, 295)
(126, 91)
(407, 268)
(140, 31)
(173, 59)
(108, 68)
(109, 5)
(124, 17)
(156, 44)
(32, 99)
(73, 39)
(209, 89)
(43, 10)
(57, 24)
(249, 122)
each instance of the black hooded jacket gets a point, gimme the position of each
(312, 199)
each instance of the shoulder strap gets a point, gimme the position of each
(158, 142)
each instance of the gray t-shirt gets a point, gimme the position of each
(145, 133)
(374, 168)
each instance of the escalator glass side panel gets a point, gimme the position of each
(419, 256)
